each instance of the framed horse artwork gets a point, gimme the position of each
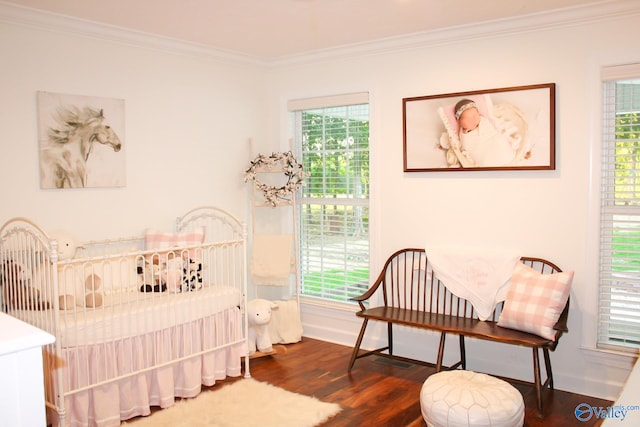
(80, 139)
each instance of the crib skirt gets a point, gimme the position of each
(158, 382)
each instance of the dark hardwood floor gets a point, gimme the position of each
(380, 392)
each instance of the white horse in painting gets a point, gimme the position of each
(63, 159)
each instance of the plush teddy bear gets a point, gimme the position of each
(78, 291)
(67, 244)
(150, 276)
(93, 292)
(17, 291)
(259, 313)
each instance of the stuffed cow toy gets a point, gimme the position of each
(259, 313)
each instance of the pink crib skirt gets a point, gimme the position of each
(147, 375)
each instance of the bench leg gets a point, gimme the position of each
(356, 347)
(536, 378)
(547, 365)
(463, 353)
(443, 337)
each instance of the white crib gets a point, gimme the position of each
(119, 350)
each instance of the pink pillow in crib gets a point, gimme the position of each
(155, 239)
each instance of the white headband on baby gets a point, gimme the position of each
(464, 108)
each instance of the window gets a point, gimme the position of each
(331, 137)
(619, 299)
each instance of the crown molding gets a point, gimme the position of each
(63, 24)
(561, 18)
(567, 17)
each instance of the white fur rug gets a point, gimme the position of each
(245, 403)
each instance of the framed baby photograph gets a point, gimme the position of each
(509, 128)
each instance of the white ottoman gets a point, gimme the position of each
(466, 398)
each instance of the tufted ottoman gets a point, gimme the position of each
(467, 398)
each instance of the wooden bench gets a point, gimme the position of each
(413, 296)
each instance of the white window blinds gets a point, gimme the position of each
(619, 297)
(332, 138)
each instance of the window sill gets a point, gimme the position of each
(611, 358)
(334, 305)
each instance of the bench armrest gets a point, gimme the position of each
(400, 261)
(360, 299)
(561, 324)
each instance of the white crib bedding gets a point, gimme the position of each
(131, 314)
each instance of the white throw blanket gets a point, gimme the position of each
(271, 259)
(285, 326)
(480, 276)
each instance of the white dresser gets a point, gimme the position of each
(22, 385)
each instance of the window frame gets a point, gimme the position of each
(321, 103)
(612, 313)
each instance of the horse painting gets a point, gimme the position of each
(64, 155)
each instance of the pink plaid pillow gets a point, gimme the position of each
(155, 239)
(535, 301)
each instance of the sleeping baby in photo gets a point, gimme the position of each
(478, 137)
(480, 134)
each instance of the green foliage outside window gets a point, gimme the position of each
(626, 234)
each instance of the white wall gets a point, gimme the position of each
(188, 118)
(550, 214)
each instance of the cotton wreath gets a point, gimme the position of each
(292, 170)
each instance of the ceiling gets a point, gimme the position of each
(273, 29)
